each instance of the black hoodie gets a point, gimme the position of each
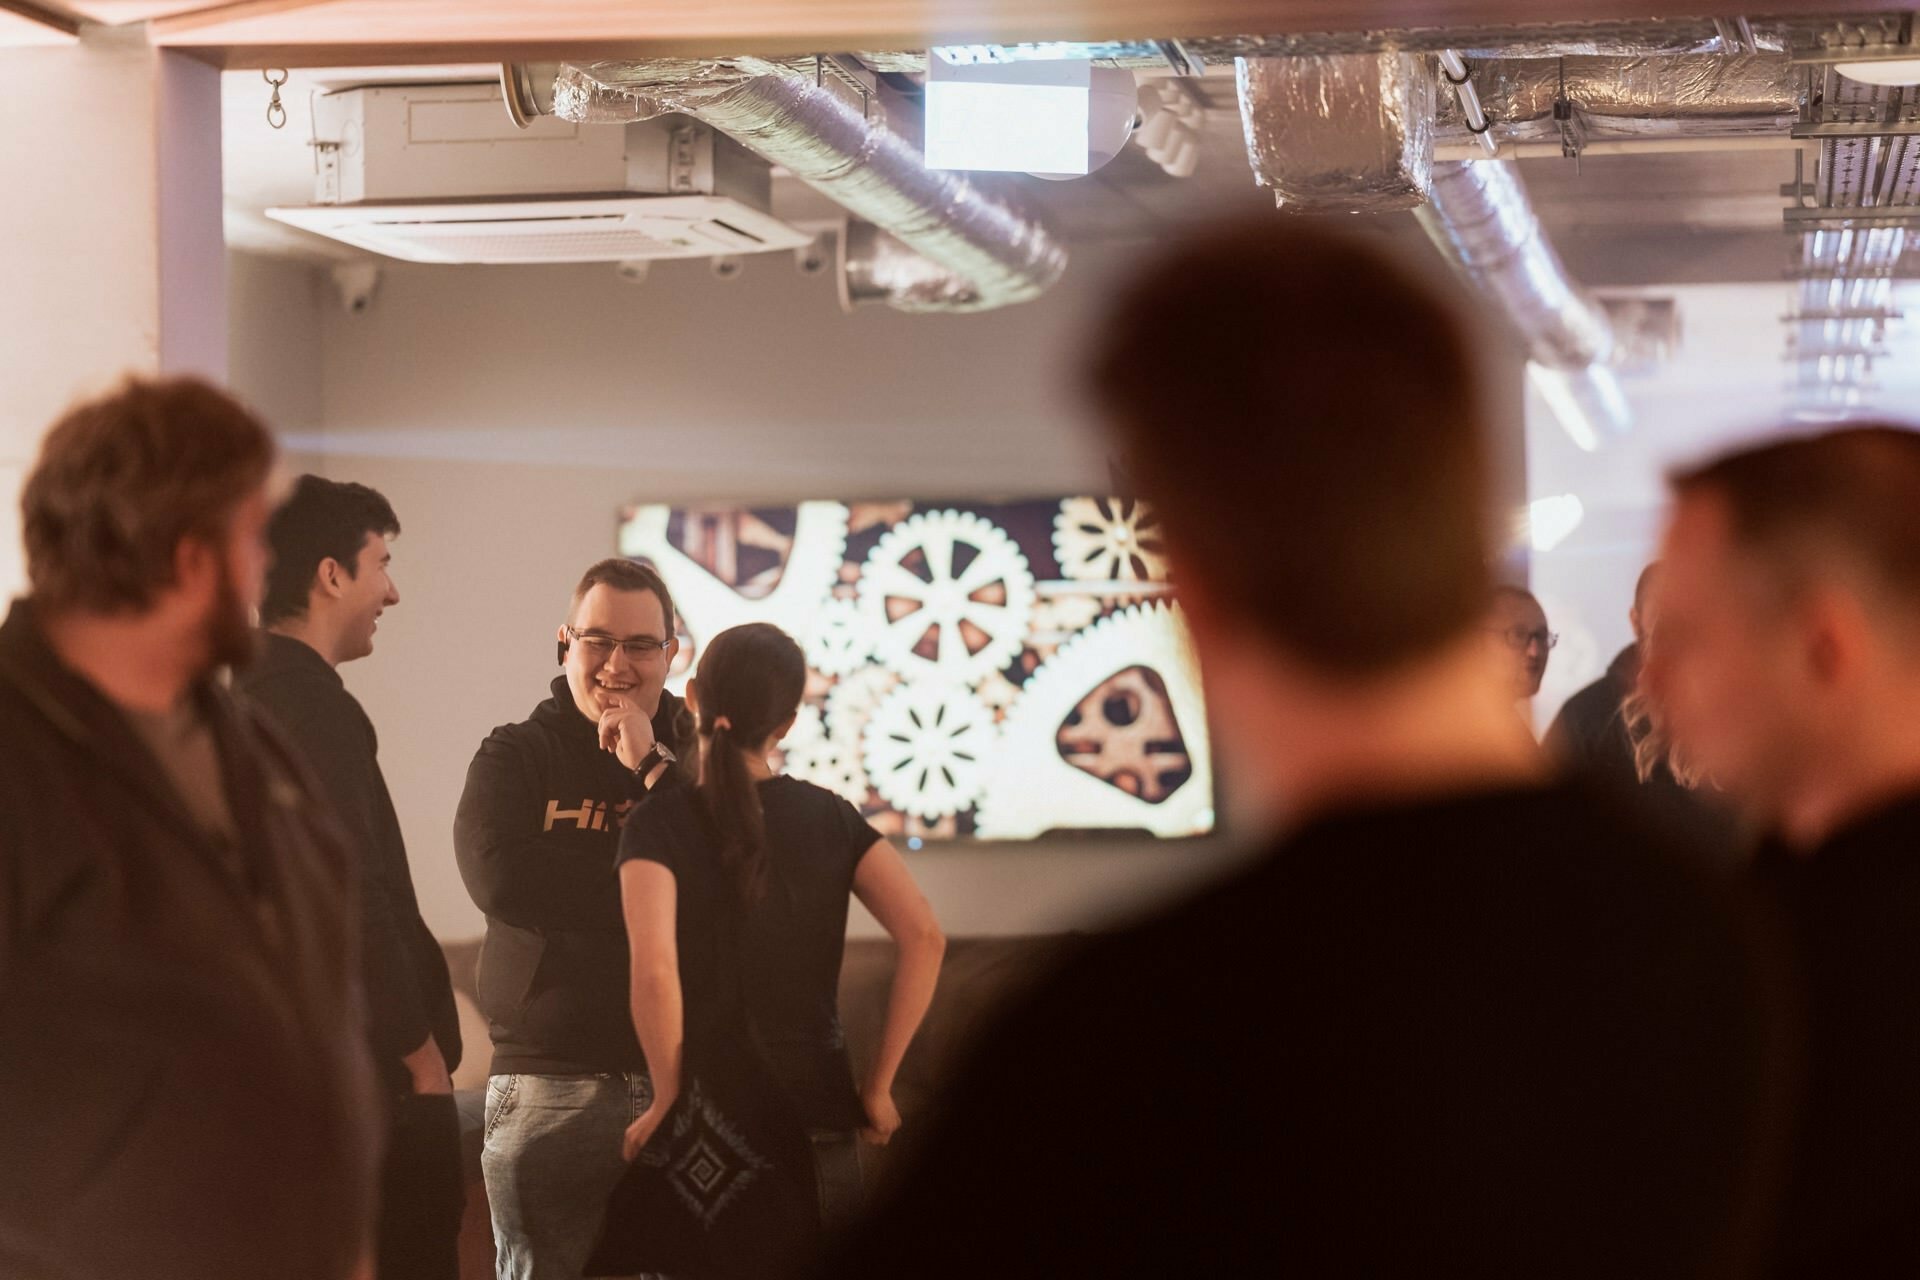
(536, 834)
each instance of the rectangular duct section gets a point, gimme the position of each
(1340, 133)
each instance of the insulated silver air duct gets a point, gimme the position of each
(1481, 218)
(999, 255)
(1635, 98)
(1342, 133)
(876, 267)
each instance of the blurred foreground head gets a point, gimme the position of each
(1305, 408)
(1787, 660)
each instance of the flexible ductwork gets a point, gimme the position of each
(1480, 217)
(1346, 133)
(1635, 97)
(1002, 255)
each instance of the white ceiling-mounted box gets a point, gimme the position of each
(439, 173)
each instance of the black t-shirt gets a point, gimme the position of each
(1853, 905)
(1496, 1034)
(783, 952)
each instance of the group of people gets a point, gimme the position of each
(1473, 1009)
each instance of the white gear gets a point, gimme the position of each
(948, 600)
(1109, 540)
(841, 640)
(853, 699)
(1031, 788)
(831, 763)
(709, 606)
(928, 748)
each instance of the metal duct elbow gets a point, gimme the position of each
(877, 268)
(1339, 133)
(1481, 219)
(1001, 254)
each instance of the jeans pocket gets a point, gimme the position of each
(501, 1091)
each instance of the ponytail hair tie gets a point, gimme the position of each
(721, 722)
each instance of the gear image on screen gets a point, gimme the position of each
(994, 671)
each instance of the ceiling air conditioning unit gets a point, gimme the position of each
(439, 173)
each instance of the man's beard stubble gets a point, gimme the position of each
(232, 640)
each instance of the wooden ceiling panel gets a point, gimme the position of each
(315, 32)
(28, 26)
(119, 12)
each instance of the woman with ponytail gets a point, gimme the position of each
(735, 890)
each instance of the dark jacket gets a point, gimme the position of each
(187, 1087)
(1853, 1203)
(409, 995)
(1590, 733)
(536, 834)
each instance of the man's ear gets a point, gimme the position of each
(1838, 633)
(330, 578)
(194, 563)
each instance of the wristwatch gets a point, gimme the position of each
(658, 753)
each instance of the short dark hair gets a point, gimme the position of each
(1307, 412)
(1508, 591)
(1847, 496)
(623, 574)
(121, 480)
(322, 520)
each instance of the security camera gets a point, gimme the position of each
(356, 282)
(633, 270)
(727, 266)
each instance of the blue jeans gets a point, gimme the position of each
(551, 1159)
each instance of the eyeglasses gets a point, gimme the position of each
(1521, 637)
(599, 645)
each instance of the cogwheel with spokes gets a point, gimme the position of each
(927, 749)
(950, 594)
(1109, 540)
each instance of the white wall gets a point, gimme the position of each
(509, 412)
(112, 180)
(1728, 385)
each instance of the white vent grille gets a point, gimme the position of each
(566, 230)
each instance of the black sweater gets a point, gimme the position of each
(1494, 1034)
(409, 996)
(536, 833)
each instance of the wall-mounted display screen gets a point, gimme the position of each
(989, 670)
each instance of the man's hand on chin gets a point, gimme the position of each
(625, 728)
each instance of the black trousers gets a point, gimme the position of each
(422, 1191)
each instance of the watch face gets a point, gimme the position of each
(665, 753)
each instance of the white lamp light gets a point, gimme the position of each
(1896, 71)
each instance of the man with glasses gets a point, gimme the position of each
(535, 837)
(1518, 625)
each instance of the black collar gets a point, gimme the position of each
(280, 653)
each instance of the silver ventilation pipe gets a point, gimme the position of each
(992, 254)
(1480, 217)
